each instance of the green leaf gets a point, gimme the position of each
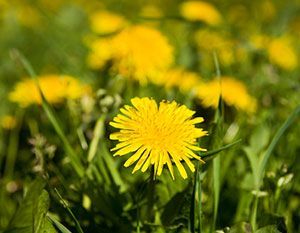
(41, 224)
(172, 210)
(40, 210)
(259, 139)
(211, 154)
(242, 227)
(268, 229)
(279, 133)
(31, 215)
(23, 217)
(59, 226)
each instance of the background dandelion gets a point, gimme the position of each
(134, 79)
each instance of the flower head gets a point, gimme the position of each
(8, 122)
(157, 135)
(141, 53)
(100, 53)
(200, 11)
(234, 93)
(282, 53)
(105, 22)
(55, 88)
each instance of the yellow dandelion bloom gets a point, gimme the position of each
(200, 11)
(105, 22)
(55, 88)
(8, 122)
(209, 41)
(100, 53)
(141, 53)
(234, 93)
(180, 78)
(282, 53)
(157, 135)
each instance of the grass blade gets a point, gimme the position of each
(275, 140)
(75, 161)
(211, 154)
(59, 226)
(77, 225)
(266, 156)
(98, 133)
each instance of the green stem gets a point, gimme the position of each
(98, 133)
(254, 211)
(199, 190)
(12, 149)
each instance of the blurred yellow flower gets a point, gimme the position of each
(178, 77)
(157, 135)
(141, 53)
(209, 41)
(105, 22)
(200, 11)
(8, 122)
(234, 93)
(28, 16)
(55, 88)
(100, 53)
(282, 53)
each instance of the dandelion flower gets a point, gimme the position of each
(8, 122)
(180, 78)
(282, 53)
(105, 22)
(55, 88)
(200, 11)
(141, 53)
(100, 53)
(157, 135)
(234, 93)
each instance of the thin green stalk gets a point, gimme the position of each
(12, 150)
(98, 133)
(199, 191)
(254, 212)
(74, 159)
(77, 224)
(217, 142)
(216, 177)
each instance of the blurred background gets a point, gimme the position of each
(110, 51)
